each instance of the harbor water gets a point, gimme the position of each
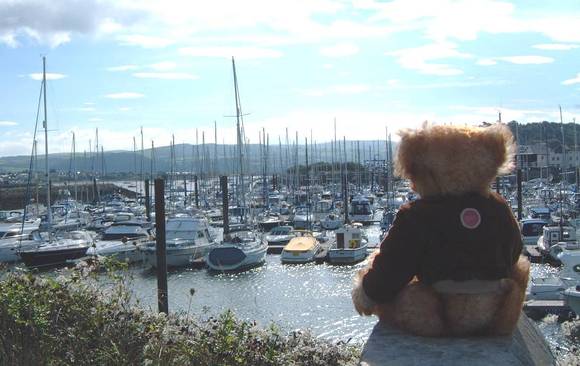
(314, 297)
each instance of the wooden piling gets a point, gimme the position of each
(519, 194)
(162, 296)
(147, 201)
(225, 204)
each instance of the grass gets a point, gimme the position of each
(68, 321)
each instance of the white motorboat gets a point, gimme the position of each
(331, 221)
(552, 288)
(532, 230)
(361, 210)
(121, 240)
(562, 235)
(302, 218)
(8, 230)
(301, 249)
(68, 246)
(241, 249)
(12, 245)
(187, 240)
(350, 246)
(278, 237)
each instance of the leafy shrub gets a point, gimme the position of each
(68, 321)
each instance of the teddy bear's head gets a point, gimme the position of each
(454, 159)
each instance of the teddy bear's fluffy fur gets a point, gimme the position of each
(443, 160)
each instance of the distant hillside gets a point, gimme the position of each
(546, 132)
(221, 158)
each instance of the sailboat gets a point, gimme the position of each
(241, 248)
(54, 250)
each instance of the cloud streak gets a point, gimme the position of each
(49, 76)
(124, 95)
(165, 75)
(572, 81)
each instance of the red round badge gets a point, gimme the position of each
(470, 218)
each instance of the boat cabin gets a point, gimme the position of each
(349, 237)
(556, 234)
(540, 213)
(532, 230)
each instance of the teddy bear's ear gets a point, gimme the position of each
(410, 149)
(500, 144)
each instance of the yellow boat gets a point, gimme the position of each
(301, 249)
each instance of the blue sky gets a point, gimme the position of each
(166, 66)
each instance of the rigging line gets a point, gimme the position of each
(27, 195)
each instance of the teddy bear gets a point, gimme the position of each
(451, 263)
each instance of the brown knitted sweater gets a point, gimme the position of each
(445, 238)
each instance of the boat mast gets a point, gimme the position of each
(45, 125)
(75, 164)
(239, 135)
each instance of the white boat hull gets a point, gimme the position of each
(294, 257)
(179, 257)
(347, 255)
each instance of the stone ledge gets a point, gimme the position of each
(527, 346)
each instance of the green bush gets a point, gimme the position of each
(68, 321)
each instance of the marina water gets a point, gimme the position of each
(313, 297)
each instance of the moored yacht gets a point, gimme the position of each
(121, 240)
(563, 235)
(241, 249)
(361, 210)
(301, 249)
(187, 240)
(278, 237)
(69, 246)
(350, 246)
(552, 288)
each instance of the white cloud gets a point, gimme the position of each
(9, 39)
(526, 60)
(340, 50)
(487, 62)
(122, 68)
(572, 81)
(8, 123)
(145, 41)
(124, 95)
(518, 60)
(237, 52)
(95, 119)
(49, 76)
(555, 46)
(163, 66)
(419, 58)
(166, 75)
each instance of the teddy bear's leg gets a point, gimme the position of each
(417, 309)
(470, 314)
(506, 318)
